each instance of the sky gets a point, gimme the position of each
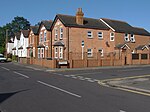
(135, 12)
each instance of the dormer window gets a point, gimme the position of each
(132, 39)
(89, 34)
(112, 36)
(126, 37)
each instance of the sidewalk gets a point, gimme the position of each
(71, 69)
(137, 83)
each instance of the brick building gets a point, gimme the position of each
(77, 37)
(77, 41)
(33, 42)
(44, 44)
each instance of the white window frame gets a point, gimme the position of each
(45, 35)
(61, 33)
(42, 52)
(56, 34)
(56, 52)
(112, 37)
(90, 34)
(126, 37)
(100, 35)
(89, 53)
(60, 52)
(132, 38)
(39, 53)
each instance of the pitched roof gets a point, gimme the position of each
(70, 21)
(25, 33)
(141, 47)
(41, 46)
(34, 29)
(58, 44)
(20, 48)
(121, 46)
(124, 27)
(18, 35)
(47, 24)
(10, 41)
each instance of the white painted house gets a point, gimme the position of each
(10, 45)
(23, 44)
(16, 44)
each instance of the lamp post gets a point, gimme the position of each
(6, 41)
(82, 45)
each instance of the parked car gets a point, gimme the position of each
(2, 58)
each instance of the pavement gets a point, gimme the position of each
(136, 84)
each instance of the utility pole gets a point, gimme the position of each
(6, 41)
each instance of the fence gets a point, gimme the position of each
(77, 60)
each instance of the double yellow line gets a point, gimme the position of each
(125, 88)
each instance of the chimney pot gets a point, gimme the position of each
(79, 16)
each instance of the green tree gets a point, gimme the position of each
(17, 24)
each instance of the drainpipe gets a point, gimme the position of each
(68, 43)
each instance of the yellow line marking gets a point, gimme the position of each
(132, 77)
(103, 83)
(133, 91)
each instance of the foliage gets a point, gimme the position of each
(17, 24)
(14, 58)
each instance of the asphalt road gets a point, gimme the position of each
(27, 89)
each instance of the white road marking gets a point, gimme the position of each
(32, 68)
(57, 74)
(122, 111)
(21, 74)
(57, 88)
(129, 70)
(90, 80)
(5, 68)
(67, 75)
(87, 73)
(74, 77)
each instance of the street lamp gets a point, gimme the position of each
(6, 41)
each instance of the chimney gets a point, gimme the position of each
(79, 16)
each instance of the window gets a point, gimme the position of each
(60, 52)
(144, 56)
(42, 53)
(39, 51)
(132, 39)
(41, 37)
(21, 53)
(100, 35)
(56, 52)
(32, 39)
(135, 56)
(112, 36)
(45, 36)
(126, 37)
(101, 51)
(89, 34)
(89, 53)
(61, 33)
(56, 34)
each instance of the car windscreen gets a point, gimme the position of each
(1, 56)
